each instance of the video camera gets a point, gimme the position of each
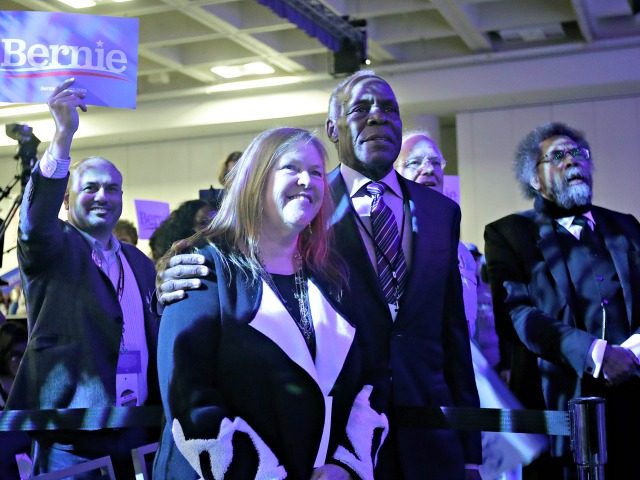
(27, 151)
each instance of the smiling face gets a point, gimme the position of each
(369, 128)
(94, 198)
(294, 191)
(420, 160)
(568, 183)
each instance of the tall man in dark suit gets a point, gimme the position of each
(423, 333)
(92, 336)
(420, 330)
(565, 278)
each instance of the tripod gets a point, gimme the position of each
(27, 154)
(4, 224)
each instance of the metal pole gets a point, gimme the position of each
(588, 437)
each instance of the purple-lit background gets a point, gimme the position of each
(33, 84)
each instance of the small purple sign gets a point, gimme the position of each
(150, 214)
(39, 50)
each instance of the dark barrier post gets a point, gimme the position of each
(588, 437)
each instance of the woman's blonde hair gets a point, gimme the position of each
(235, 229)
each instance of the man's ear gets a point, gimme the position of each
(66, 200)
(535, 183)
(332, 130)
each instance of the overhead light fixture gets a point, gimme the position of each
(89, 3)
(79, 3)
(346, 38)
(21, 110)
(235, 71)
(249, 84)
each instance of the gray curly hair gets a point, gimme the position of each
(528, 152)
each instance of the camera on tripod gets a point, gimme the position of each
(27, 154)
(27, 151)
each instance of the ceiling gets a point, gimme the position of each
(180, 40)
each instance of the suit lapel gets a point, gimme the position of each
(334, 335)
(618, 248)
(552, 253)
(423, 233)
(350, 245)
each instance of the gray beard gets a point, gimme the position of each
(569, 196)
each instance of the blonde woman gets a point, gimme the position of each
(261, 377)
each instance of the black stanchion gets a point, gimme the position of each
(588, 437)
(584, 423)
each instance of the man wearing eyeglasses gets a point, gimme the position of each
(420, 160)
(565, 279)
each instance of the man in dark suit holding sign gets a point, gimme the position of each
(92, 336)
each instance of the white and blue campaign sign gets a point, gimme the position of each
(39, 50)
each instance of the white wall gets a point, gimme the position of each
(487, 142)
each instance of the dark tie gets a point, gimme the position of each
(392, 266)
(586, 234)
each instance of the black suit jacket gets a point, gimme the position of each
(535, 307)
(427, 346)
(75, 319)
(221, 357)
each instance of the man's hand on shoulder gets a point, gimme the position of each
(183, 273)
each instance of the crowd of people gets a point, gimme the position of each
(287, 329)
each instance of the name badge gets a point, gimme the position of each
(129, 362)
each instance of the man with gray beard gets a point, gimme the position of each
(565, 279)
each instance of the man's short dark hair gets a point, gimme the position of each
(528, 151)
(338, 95)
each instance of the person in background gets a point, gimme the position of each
(13, 341)
(485, 336)
(421, 160)
(184, 221)
(125, 231)
(15, 445)
(225, 168)
(565, 279)
(92, 334)
(17, 305)
(260, 375)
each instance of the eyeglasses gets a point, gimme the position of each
(556, 157)
(418, 162)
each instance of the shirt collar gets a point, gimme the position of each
(97, 245)
(566, 222)
(354, 181)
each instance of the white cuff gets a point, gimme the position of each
(53, 167)
(594, 357)
(363, 420)
(633, 344)
(220, 450)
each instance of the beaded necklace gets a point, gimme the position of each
(302, 316)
